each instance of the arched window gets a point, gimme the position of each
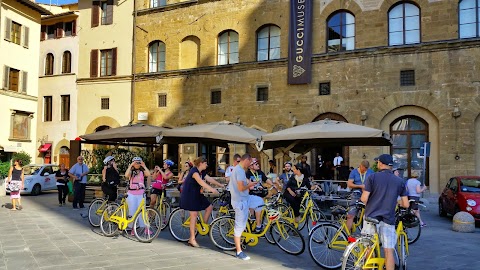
(67, 62)
(341, 32)
(49, 64)
(404, 24)
(189, 52)
(468, 21)
(268, 43)
(156, 56)
(408, 135)
(228, 48)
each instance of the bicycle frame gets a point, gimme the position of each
(341, 245)
(251, 238)
(401, 233)
(202, 227)
(123, 220)
(371, 262)
(308, 210)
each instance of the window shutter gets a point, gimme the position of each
(26, 33)
(74, 28)
(109, 11)
(43, 32)
(6, 74)
(114, 61)
(8, 28)
(24, 81)
(59, 30)
(94, 63)
(95, 13)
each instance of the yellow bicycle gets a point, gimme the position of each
(365, 252)
(179, 225)
(146, 221)
(309, 212)
(163, 207)
(285, 235)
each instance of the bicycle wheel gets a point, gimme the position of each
(402, 253)
(179, 225)
(319, 242)
(216, 207)
(164, 212)
(285, 210)
(221, 233)
(302, 224)
(316, 217)
(288, 238)
(94, 211)
(356, 254)
(110, 228)
(413, 234)
(147, 228)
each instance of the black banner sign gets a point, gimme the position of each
(300, 42)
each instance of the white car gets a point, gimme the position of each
(38, 178)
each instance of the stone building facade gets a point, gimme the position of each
(407, 67)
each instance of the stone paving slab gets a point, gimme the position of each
(47, 237)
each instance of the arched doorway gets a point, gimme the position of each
(322, 157)
(408, 135)
(64, 156)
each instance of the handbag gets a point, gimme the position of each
(14, 186)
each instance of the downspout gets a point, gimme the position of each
(1, 2)
(132, 91)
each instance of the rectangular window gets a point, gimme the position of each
(65, 110)
(105, 103)
(407, 77)
(16, 33)
(68, 28)
(216, 97)
(324, 89)
(13, 79)
(103, 6)
(162, 100)
(106, 12)
(262, 93)
(106, 57)
(51, 31)
(47, 108)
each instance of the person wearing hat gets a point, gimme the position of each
(136, 173)
(110, 177)
(161, 178)
(380, 197)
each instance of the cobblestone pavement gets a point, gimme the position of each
(45, 236)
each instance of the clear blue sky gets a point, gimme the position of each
(56, 2)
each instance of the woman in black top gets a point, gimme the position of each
(192, 199)
(62, 181)
(15, 183)
(296, 181)
(110, 178)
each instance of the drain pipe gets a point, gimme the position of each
(132, 90)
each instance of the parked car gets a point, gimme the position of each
(38, 178)
(462, 193)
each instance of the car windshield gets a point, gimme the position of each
(31, 170)
(470, 185)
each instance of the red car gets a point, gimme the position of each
(462, 193)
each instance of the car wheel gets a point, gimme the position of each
(441, 211)
(36, 190)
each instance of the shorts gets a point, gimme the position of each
(387, 233)
(353, 210)
(241, 212)
(415, 204)
(156, 191)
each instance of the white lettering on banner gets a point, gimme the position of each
(300, 31)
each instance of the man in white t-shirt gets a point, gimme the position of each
(337, 162)
(229, 170)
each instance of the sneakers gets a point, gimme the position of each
(242, 256)
(258, 229)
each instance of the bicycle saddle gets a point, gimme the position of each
(338, 212)
(372, 220)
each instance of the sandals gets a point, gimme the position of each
(423, 225)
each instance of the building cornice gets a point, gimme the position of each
(60, 15)
(35, 7)
(109, 79)
(57, 75)
(17, 95)
(426, 47)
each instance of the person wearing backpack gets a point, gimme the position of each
(110, 177)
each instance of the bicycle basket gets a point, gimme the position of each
(410, 220)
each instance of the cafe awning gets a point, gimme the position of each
(45, 147)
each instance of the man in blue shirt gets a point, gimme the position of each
(356, 182)
(380, 197)
(78, 173)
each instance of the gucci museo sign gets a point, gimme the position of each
(300, 42)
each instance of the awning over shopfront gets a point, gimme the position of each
(45, 147)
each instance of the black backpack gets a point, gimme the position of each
(112, 177)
